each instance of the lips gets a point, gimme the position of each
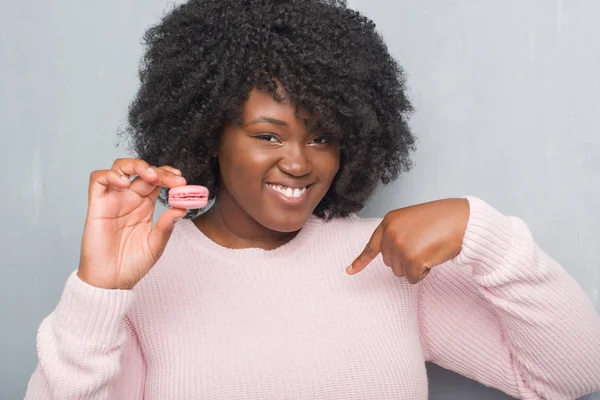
(289, 194)
(288, 191)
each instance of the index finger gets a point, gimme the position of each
(135, 166)
(165, 177)
(371, 251)
(119, 175)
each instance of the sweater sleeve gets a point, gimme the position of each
(508, 316)
(88, 348)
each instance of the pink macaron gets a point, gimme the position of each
(188, 197)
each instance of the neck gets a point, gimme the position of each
(226, 224)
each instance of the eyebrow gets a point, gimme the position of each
(266, 119)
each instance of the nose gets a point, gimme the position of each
(294, 161)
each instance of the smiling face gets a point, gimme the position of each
(274, 171)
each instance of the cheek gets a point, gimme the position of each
(244, 165)
(329, 164)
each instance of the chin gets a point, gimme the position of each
(285, 221)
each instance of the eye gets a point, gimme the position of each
(319, 140)
(267, 137)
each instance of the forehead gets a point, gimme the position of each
(261, 104)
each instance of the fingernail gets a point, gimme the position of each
(124, 178)
(151, 170)
(349, 268)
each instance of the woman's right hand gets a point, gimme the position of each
(119, 244)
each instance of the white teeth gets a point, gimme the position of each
(287, 191)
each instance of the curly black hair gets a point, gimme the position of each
(204, 56)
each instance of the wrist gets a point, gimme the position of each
(94, 280)
(463, 214)
(488, 237)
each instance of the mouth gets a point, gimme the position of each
(289, 195)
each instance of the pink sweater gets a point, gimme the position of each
(214, 323)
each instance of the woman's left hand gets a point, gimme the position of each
(414, 239)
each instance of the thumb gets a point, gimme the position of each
(371, 251)
(160, 234)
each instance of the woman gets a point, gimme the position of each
(291, 113)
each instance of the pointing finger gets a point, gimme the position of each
(371, 251)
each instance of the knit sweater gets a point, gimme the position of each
(209, 322)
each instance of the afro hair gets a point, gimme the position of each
(204, 56)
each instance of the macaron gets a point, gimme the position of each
(188, 197)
